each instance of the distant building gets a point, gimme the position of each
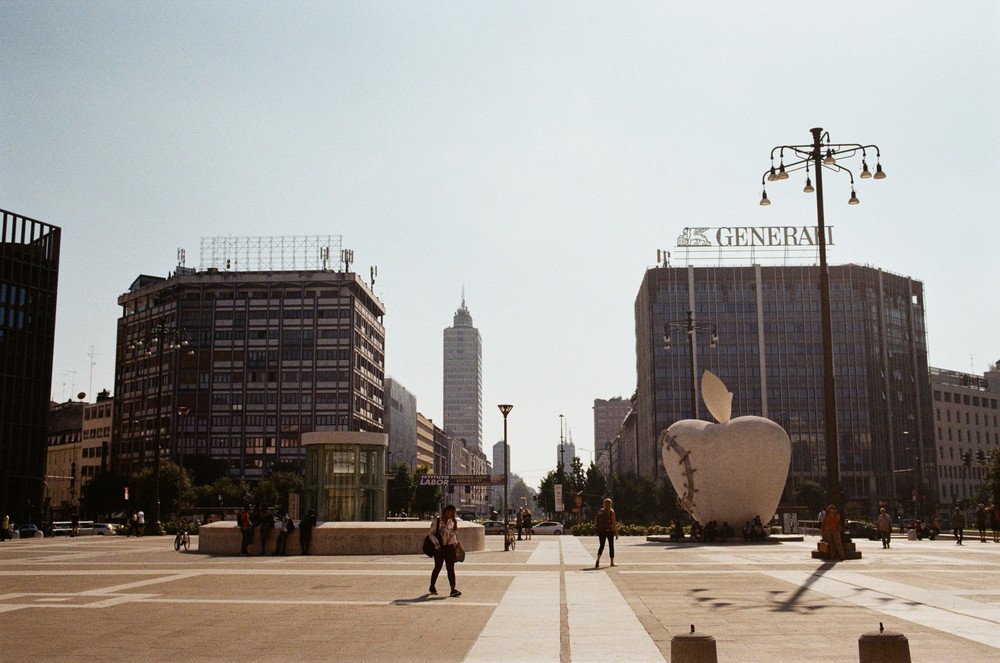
(29, 276)
(769, 355)
(255, 358)
(608, 417)
(96, 444)
(432, 446)
(498, 458)
(63, 458)
(463, 380)
(967, 425)
(400, 424)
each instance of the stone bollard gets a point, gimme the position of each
(883, 647)
(911, 535)
(693, 648)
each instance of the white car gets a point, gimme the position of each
(547, 527)
(105, 529)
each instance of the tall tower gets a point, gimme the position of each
(463, 380)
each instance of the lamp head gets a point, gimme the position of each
(763, 199)
(772, 176)
(808, 187)
(829, 160)
(879, 174)
(865, 173)
(854, 198)
(782, 175)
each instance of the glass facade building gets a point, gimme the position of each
(769, 355)
(344, 478)
(29, 275)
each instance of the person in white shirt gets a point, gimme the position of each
(444, 533)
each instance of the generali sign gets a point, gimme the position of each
(748, 236)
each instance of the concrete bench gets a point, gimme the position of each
(381, 538)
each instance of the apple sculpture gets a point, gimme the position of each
(730, 471)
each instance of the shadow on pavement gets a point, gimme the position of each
(423, 598)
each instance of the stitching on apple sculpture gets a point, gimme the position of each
(687, 499)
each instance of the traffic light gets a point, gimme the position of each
(980, 457)
(967, 458)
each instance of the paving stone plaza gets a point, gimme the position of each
(124, 599)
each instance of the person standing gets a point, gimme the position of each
(606, 525)
(140, 523)
(518, 522)
(980, 516)
(526, 525)
(444, 531)
(830, 530)
(5, 528)
(884, 526)
(995, 522)
(285, 526)
(246, 531)
(306, 531)
(266, 525)
(958, 525)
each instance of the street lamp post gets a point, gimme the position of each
(812, 155)
(690, 326)
(505, 409)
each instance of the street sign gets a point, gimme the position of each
(460, 479)
(559, 497)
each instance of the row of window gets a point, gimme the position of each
(966, 399)
(968, 419)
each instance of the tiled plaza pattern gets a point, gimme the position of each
(123, 599)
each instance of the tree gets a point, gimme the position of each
(426, 499)
(636, 499)
(810, 495)
(285, 483)
(545, 499)
(595, 488)
(207, 496)
(174, 484)
(989, 490)
(204, 469)
(105, 494)
(401, 489)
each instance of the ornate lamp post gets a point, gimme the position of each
(690, 326)
(505, 409)
(824, 155)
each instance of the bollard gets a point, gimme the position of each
(693, 648)
(883, 647)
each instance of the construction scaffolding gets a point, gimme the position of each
(272, 254)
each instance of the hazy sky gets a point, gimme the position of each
(537, 154)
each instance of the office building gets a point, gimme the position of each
(463, 380)
(400, 424)
(608, 417)
(29, 276)
(769, 355)
(238, 365)
(967, 430)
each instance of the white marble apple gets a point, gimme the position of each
(730, 471)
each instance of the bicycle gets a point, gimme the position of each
(182, 540)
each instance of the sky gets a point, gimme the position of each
(534, 155)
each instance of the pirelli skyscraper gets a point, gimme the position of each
(463, 380)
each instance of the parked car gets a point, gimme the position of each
(29, 531)
(859, 529)
(493, 526)
(547, 527)
(105, 529)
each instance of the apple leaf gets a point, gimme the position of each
(718, 399)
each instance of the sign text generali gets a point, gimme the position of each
(749, 236)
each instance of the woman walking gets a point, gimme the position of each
(606, 525)
(444, 532)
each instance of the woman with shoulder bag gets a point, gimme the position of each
(445, 530)
(607, 531)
